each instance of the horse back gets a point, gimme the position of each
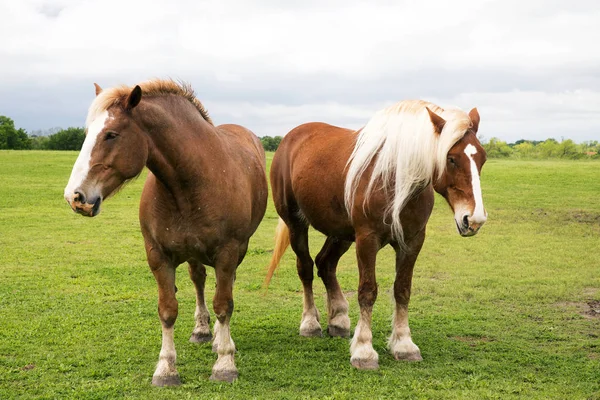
(307, 176)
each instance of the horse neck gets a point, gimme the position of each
(176, 132)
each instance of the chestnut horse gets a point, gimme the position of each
(373, 187)
(204, 197)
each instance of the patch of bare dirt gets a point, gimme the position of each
(590, 292)
(27, 367)
(593, 309)
(587, 309)
(583, 217)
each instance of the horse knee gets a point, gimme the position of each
(167, 312)
(222, 307)
(367, 294)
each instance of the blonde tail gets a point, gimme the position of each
(282, 242)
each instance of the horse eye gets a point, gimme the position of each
(452, 161)
(111, 135)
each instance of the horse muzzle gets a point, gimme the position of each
(81, 204)
(469, 226)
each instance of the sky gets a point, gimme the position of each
(532, 68)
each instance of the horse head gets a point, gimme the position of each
(459, 181)
(114, 151)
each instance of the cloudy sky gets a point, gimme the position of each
(531, 67)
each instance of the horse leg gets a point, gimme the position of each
(225, 266)
(309, 326)
(363, 355)
(201, 332)
(400, 342)
(338, 322)
(164, 272)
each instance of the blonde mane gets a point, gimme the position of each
(155, 87)
(401, 142)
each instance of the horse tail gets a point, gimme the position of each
(282, 242)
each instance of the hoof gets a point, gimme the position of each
(408, 356)
(224, 376)
(169, 380)
(336, 331)
(365, 364)
(311, 333)
(200, 337)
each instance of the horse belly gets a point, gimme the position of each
(321, 203)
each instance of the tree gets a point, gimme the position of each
(11, 138)
(66, 139)
(270, 143)
(39, 142)
(524, 148)
(549, 148)
(496, 148)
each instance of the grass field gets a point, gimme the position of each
(506, 314)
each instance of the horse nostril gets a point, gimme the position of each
(465, 221)
(79, 197)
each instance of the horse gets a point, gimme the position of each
(204, 197)
(374, 187)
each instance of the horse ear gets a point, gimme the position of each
(474, 115)
(437, 121)
(98, 88)
(134, 98)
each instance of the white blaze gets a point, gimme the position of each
(479, 213)
(82, 165)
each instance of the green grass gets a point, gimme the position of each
(500, 315)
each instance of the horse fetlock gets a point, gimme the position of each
(168, 380)
(224, 369)
(310, 326)
(405, 350)
(339, 326)
(166, 374)
(364, 356)
(200, 336)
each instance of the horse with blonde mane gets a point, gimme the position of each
(373, 187)
(205, 195)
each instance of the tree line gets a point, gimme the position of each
(537, 149)
(72, 139)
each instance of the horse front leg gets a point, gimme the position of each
(225, 266)
(400, 342)
(164, 272)
(201, 332)
(363, 355)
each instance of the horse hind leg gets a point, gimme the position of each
(201, 332)
(310, 325)
(338, 322)
(164, 272)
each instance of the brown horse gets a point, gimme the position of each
(373, 187)
(204, 197)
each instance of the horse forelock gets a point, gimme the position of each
(404, 149)
(155, 87)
